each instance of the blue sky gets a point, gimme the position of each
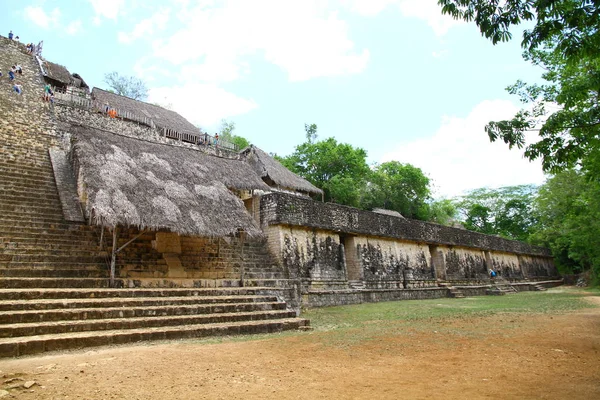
(394, 77)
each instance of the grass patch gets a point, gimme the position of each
(345, 326)
(556, 300)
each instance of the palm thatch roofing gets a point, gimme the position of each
(162, 117)
(272, 170)
(132, 182)
(388, 212)
(78, 81)
(57, 72)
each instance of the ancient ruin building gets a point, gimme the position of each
(138, 226)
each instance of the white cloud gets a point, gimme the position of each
(74, 27)
(39, 17)
(439, 54)
(304, 38)
(203, 104)
(109, 9)
(148, 26)
(459, 156)
(425, 10)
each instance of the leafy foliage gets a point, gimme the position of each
(568, 206)
(565, 42)
(226, 133)
(337, 168)
(128, 86)
(399, 187)
(443, 212)
(507, 211)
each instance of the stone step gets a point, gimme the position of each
(9, 198)
(56, 327)
(24, 180)
(74, 232)
(7, 260)
(36, 224)
(31, 255)
(40, 244)
(86, 293)
(78, 314)
(59, 272)
(70, 303)
(18, 217)
(12, 283)
(31, 208)
(19, 346)
(209, 283)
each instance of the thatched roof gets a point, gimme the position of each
(162, 117)
(131, 182)
(57, 72)
(388, 212)
(269, 168)
(78, 81)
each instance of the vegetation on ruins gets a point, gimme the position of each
(506, 211)
(568, 212)
(226, 133)
(564, 110)
(339, 169)
(128, 86)
(399, 187)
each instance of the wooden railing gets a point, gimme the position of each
(76, 98)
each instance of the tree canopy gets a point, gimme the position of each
(565, 43)
(226, 133)
(568, 208)
(399, 187)
(128, 86)
(339, 169)
(506, 211)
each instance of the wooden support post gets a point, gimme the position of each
(113, 260)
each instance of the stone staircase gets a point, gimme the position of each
(501, 290)
(54, 291)
(539, 288)
(35, 321)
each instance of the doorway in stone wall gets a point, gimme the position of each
(353, 268)
(438, 262)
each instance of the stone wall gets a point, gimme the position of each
(279, 208)
(328, 246)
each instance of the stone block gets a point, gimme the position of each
(167, 242)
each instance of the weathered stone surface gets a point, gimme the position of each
(282, 209)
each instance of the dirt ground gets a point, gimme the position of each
(501, 356)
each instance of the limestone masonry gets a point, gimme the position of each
(142, 227)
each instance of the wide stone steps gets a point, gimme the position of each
(8, 260)
(45, 328)
(11, 283)
(30, 316)
(112, 302)
(58, 272)
(39, 244)
(36, 344)
(69, 293)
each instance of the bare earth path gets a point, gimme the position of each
(501, 356)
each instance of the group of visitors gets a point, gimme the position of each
(207, 140)
(11, 36)
(12, 75)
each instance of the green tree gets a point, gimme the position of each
(338, 168)
(128, 86)
(399, 187)
(506, 211)
(443, 212)
(565, 43)
(226, 133)
(568, 205)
